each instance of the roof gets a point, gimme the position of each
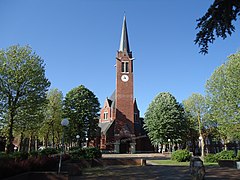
(105, 126)
(113, 100)
(124, 42)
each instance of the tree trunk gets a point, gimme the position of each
(200, 135)
(21, 142)
(29, 143)
(36, 144)
(45, 143)
(161, 148)
(53, 141)
(225, 145)
(202, 147)
(193, 146)
(58, 137)
(9, 144)
(32, 148)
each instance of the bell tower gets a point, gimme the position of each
(121, 126)
(124, 84)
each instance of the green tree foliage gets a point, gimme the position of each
(82, 107)
(196, 106)
(27, 124)
(218, 21)
(223, 97)
(164, 119)
(23, 86)
(192, 134)
(51, 129)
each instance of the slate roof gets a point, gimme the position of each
(124, 42)
(105, 126)
(113, 100)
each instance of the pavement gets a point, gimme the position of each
(148, 156)
(153, 171)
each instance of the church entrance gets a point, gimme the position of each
(125, 145)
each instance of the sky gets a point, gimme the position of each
(78, 41)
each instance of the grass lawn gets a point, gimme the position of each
(175, 163)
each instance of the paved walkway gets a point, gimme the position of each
(153, 171)
(144, 156)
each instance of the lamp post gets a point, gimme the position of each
(15, 148)
(78, 137)
(200, 144)
(169, 140)
(86, 142)
(64, 123)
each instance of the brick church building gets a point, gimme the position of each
(121, 126)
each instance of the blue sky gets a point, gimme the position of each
(78, 40)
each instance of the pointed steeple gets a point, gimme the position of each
(124, 43)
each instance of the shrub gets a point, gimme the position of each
(31, 164)
(181, 155)
(92, 153)
(238, 155)
(77, 154)
(225, 155)
(19, 156)
(48, 152)
(34, 153)
(3, 156)
(75, 148)
(210, 158)
(43, 163)
(85, 153)
(11, 168)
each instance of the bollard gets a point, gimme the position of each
(143, 162)
(197, 168)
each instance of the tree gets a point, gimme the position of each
(192, 132)
(53, 115)
(28, 121)
(23, 85)
(164, 119)
(218, 21)
(82, 107)
(223, 98)
(196, 106)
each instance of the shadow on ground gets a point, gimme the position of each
(222, 173)
(156, 172)
(138, 172)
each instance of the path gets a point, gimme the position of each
(153, 171)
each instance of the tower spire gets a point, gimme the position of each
(124, 43)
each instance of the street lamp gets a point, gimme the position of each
(200, 144)
(64, 123)
(78, 137)
(86, 142)
(15, 148)
(169, 140)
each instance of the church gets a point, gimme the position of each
(121, 126)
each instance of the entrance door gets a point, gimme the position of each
(125, 145)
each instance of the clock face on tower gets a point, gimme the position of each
(124, 78)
